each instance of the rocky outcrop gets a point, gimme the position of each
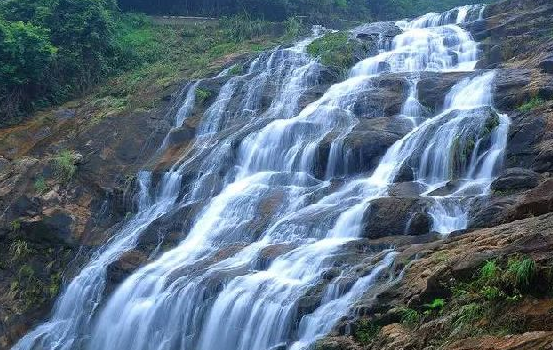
(440, 267)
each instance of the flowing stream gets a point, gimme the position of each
(271, 230)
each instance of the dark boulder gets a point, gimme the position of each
(55, 226)
(396, 216)
(119, 270)
(378, 32)
(546, 64)
(516, 179)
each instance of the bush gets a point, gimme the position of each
(294, 27)
(51, 51)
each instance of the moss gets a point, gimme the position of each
(334, 50)
(491, 123)
(19, 250)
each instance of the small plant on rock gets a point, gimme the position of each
(531, 105)
(40, 185)
(64, 165)
(15, 225)
(520, 273)
(202, 94)
(435, 306)
(366, 331)
(410, 317)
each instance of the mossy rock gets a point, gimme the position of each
(334, 50)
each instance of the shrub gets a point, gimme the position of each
(64, 165)
(293, 27)
(243, 27)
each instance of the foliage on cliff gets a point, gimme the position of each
(55, 50)
(279, 10)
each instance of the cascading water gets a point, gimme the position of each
(218, 289)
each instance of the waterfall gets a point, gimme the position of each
(271, 229)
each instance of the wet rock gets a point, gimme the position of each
(504, 209)
(406, 189)
(433, 87)
(396, 216)
(515, 179)
(405, 174)
(378, 31)
(180, 136)
(119, 270)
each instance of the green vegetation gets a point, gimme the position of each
(477, 306)
(19, 250)
(334, 50)
(15, 225)
(202, 95)
(318, 11)
(243, 27)
(64, 165)
(366, 331)
(410, 317)
(56, 50)
(40, 185)
(235, 70)
(273, 10)
(52, 50)
(435, 306)
(491, 124)
(531, 105)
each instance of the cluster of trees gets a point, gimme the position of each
(272, 10)
(52, 50)
(279, 10)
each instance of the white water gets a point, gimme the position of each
(218, 290)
